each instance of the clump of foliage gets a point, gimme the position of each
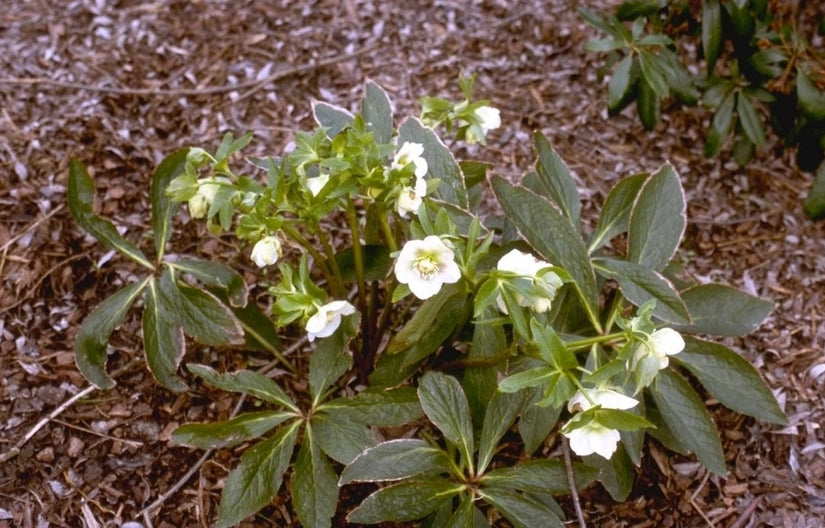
(760, 73)
(425, 333)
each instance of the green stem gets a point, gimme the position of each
(585, 343)
(338, 290)
(296, 235)
(357, 253)
(386, 231)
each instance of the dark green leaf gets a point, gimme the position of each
(711, 32)
(377, 112)
(163, 209)
(724, 311)
(396, 460)
(521, 510)
(202, 315)
(81, 195)
(440, 161)
(535, 425)
(654, 73)
(446, 406)
(729, 378)
(720, 126)
(742, 150)
(251, 485)
(480, 382)
(162, 338)
(658, 220)
(501, 413)
(641, 284)
(333, 118)
(377, 262)
(556, 179)
(332, 358)
(245, 382)
(539, 476)
(378, 407)
(341, 439)
(314, 485)
(532, 377)
(242, 428)
(633, 9)
(615, 214)
(685, 414)
(405, 501)
(93, 336)
(605, 45)
(615, 474)
(648, 104)
(545, 228)
(811, 98)
(750, 121)
(619, 84)
(259, 331)
(218, 275)
(815, 201)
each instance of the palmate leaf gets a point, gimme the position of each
(501, 413)
(556, 180)
(539, 476)
(396, 460)
(615, 214)
(163, 209)
(251, 485)
(314, 484)
(246, 382)
(162, 338)
(341, 439)
(521, 510)
(445, 404)
(720, 310)
(81, 194)
(616, 474)
(242, 428)
(406, 501)
(535, 425)
(217, 275)
(378, 407)
(90, 343)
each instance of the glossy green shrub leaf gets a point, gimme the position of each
(605, 45)
(544, 226)
(314, 484)
(341, 439)
(815, 202)
(396, 460)
(654, 73)
(658, 220)
(445, 404)
(720, 125)
(751, 124)
(93, 336)
(769, 62)
(641, 284)
(633, 9)
(686, 415)
(729, 378)
(520, 509)
(556, 180)
(378, 407)
(811, 98)
(405, 501)
(81, 195)
(250, 486)
(245, 382)
(333, 118)
(539, 476)
(620, 84)
(711, 32)
(720, 310)
(615, 215)
(162, 338)
(163, 209)
(217, 275)
(648, 104)
(242, 428)
(440, 161)
(742, 150)
(377, 112)
(332, 358)
(501, 413)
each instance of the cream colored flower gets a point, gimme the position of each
(490, 118)
(605, 398)
(661, 344)
(410, 153)
(317, 183)
(327, 319)
(425, 265)
(593, 438)
(207, 190)
(528, 266)
(266, 251)
(410, 198)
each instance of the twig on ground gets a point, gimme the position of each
(743, 519)
(696, 506)
(571, 482)
(207, 90)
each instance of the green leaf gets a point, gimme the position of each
(620, 85)
(242, 428)
(339, 438)
(501, 413)
(723, 311)
(658, 220)
(480, 381)
(377, 112)
(446, 406)
(685, 414)
(604, 45)
(742, 150)
(202, 315)
(521, 510)
(218, 275)
(648, 104)
(440, 161)
(720, 126)
(93, 336)
(377, 262)
(463, 517)
(535, 425)
(332, 358)
(616, 474)
(378, 407)
(615, 214)
(654, 73)
(811, 98)
(532, 377)
(81, 195)
(246, 382)
(641, 284)
(556, 179)
(396, 460)
(163, 209)
(544, 227)
(711, 32)
(251, 485)
(162, 338)
(314, 485)
(333, 118)
(259, 331)
(539, 476)
(749, 119)
(815, 201)
(729, 378)
(405, 501)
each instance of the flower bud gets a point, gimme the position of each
(267, 251)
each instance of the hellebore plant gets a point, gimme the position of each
(543, 327)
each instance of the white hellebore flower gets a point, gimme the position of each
(410, 198)
(665, 342)
(410, 153)
(424, 265)
(489, 118)
(605, 398)
(266, 251)
(203, 198)
(593, 438)
(528, 266)
(327, 319)
(317, 183)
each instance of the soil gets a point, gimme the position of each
(119, 84)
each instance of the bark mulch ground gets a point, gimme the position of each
(121, 83)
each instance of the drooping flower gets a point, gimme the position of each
(424, 265)
(266, 251)
(410, 198)
(411, 153)
(593, 438)
(327, 319)
(661, 344)
(605, 398)
(488, 119)
(207, 189)
(317, 183)
(528, 266)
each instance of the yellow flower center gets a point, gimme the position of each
(426, 266)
